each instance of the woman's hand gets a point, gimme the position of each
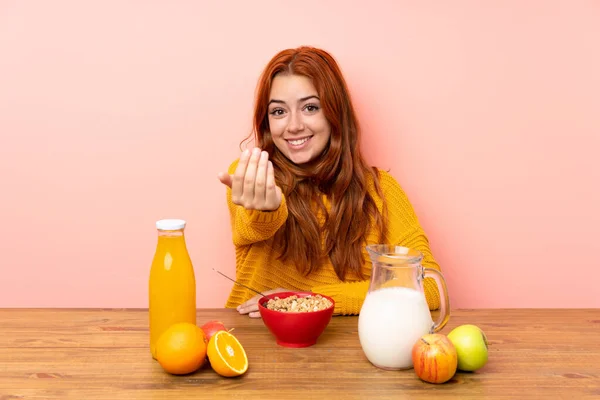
(251, 306)
(253, 183)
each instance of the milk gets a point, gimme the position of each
(391, 320)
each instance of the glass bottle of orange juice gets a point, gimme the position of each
(172, 286)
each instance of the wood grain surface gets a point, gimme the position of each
(104, 354)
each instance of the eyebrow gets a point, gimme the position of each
(301, 99)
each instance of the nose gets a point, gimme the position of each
(295, 123)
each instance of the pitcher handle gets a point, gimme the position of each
(444, 300)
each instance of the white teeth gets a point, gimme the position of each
(298, 142)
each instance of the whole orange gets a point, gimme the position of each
(181, 349)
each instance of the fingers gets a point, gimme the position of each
(272, 191)
(237, 187)
(254, 314)
(253, 183)
(250, 178)
(249, 306)
(260, 184)
(225, 178)
(249, 309)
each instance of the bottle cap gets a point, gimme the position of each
(170, 224)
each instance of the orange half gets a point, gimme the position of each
(226, 355)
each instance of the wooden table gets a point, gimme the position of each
(103, 354)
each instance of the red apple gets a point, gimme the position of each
(434, 358)
(212, 327)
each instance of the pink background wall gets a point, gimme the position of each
(115, 114)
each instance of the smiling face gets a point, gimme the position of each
(296, 120)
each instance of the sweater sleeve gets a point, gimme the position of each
(251, 226)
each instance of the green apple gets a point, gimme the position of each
(471, 347)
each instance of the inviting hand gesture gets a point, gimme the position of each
(253, 183)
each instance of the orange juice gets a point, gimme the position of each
(172, 286)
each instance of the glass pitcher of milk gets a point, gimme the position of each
(395, 313)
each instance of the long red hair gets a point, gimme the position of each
(340, 173)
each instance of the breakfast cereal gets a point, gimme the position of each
(299, 304)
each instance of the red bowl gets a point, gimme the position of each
(295, 329)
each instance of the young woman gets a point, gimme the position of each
(303, 203)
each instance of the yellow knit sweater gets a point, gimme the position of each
(257, 265)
